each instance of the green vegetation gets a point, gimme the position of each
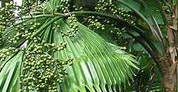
(89, 46)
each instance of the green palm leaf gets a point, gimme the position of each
(10, 74)
(146, 15)
(96, 64)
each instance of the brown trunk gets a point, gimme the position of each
(169, 79)
(170, 74)
(169, 83)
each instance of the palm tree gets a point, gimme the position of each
(38, 47)
(37, 51)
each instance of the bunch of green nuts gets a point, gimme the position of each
(5, 52)
(2, 28)
(73, 27)
(41, 71)
(118, 36)
(28, 7)
(107, 7)
(95, 22)
(100, 23)
(7, 14)
(23, 31)
(64, 6)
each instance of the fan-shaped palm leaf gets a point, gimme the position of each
(96, 64)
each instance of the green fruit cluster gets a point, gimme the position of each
(108, 7)
(24, 31)
(72, 26)
(42, 72)
(5, 52)
(7, 15)
(119, 36)
(100, 23)
(95, 22)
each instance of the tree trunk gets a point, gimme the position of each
(170, 74)
(169, 79)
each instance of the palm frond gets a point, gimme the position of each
(146, 16)
(96, 66)
(10, 73)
